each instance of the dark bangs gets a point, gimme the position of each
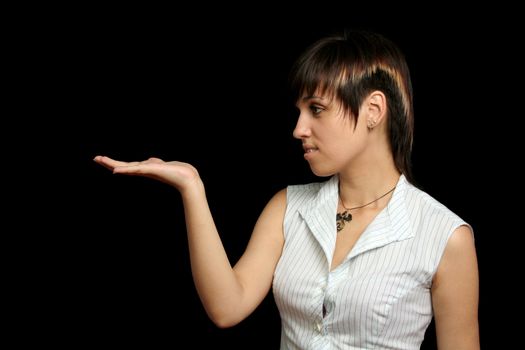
(324, 70)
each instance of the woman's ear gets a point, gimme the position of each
(375, 105)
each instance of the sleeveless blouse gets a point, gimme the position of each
(379, 296)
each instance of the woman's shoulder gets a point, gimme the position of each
(421, 202)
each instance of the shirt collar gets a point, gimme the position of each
(390, 225)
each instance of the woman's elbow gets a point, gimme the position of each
(224, 321)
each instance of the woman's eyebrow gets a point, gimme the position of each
(311, 97)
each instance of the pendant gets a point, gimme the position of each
(341, 219)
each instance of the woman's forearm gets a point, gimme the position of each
(216, 283)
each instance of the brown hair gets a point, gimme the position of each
(351, 66)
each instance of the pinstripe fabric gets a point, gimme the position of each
(379, 296)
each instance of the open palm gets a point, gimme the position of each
(178, 174)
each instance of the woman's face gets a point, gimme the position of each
(329, 139)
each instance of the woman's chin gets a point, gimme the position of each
(322, 172)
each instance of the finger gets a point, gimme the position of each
(100, 160)
(111, 163)
(131, 170)
(154, 160)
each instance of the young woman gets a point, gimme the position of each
(363, 260)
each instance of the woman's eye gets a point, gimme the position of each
(315, 109)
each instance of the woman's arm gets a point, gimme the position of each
(455, 294)
(228, 294)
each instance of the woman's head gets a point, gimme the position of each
(348, 69)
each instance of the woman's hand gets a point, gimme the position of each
(180, 175)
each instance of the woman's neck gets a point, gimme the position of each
(358, 187)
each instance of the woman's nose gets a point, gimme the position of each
(302, 129)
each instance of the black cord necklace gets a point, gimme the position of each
(344, 217)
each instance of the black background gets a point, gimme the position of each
(211, 90)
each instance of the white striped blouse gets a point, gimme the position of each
(379, 296)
